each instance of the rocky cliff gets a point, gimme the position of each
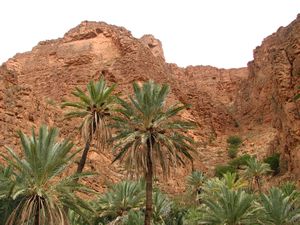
(223, 101)
(266, 97)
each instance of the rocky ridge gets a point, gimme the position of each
(256, 102)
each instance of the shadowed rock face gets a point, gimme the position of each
(223, 101)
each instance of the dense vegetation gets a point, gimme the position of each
(34, 189)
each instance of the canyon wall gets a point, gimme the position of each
(222, 101)
(267, 95)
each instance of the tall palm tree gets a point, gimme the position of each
(230, 207)
(279, 209)
(95, 108)
(37, 184)
(147, 132)
(254, 172)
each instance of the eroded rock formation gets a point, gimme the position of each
(267, 96)
(223, 101)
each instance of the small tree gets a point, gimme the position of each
(234, 143)
(254, 172)
(37, 184)
(194, 183)
(279, 209)
(229, 207)
(121, 198)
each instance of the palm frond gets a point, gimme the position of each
(36, 183)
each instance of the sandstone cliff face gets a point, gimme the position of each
(267, 96)
(33, 85)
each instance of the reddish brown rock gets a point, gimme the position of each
(267, 96)
(255, 102)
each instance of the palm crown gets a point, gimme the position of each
(229, 207)
(36, 179)
(255, 170)
(122, 198)
(146, 122)
(278, 208)
(94, 107)
(147, 132)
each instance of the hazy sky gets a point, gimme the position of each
(220, 33)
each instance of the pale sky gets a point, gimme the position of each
(221, 33)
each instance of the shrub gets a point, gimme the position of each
(232, 151)
(220, 170)
(234, 140)
(240, 161)
(273, 161)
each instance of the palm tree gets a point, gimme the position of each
(37, 184)
(230, 207)
(193, 216)
(95, 108)
(233, 182)
(7, 204)
(123, 197)
(195, 182)
(161, 207)
(254, 171)
(213, 186)
(147, 132)
(279, 209)
(133, 218)
(289, 188)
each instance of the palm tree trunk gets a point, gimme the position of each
(149, 186)
(84, 156)
(257, 179)
(37, 214)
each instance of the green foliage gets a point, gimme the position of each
(161, 207)
(273, 161)
(194, 183)
(95, 107)
(239, 161)
(144, 122)
(193, 216)
(233, 145)
(220, 170)
(42, 195)
(177, 214)
(121, 198)
(233, 182)
(254, 171)
(213, 186)
(279, 209)
(234, 140)
(7, 204)
(229, 207)
(134, 218)
(232, 151)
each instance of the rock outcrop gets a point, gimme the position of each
(267, 96)
(223, 101)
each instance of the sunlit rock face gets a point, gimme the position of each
(268, 93)
(257, 98)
